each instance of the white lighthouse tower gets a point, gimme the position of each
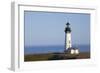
(68, 36)
(68, 45)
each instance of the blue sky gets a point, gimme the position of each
(47, 28)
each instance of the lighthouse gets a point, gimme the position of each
(68, 45)
(67, 36)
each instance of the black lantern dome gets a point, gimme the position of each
(67, 29)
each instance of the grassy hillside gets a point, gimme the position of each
(55, 56)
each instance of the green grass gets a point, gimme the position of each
(37, 57)
(55, 56)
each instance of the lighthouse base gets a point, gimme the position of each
(72, 53)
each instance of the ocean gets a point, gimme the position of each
(52, 49)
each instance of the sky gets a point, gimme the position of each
(47, 28)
